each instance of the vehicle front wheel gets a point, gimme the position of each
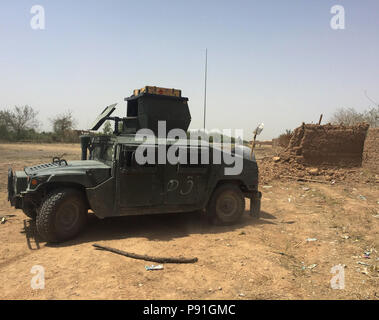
(226, 205)
(62, 216)
(31, 213)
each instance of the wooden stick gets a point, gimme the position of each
(147, 258)
(319, 122)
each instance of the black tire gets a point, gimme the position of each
(226, 205)
(62, 216)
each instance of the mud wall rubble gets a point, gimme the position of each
(314, 144)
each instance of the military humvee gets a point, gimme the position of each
(111, 182)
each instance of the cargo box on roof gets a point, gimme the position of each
(159, 91)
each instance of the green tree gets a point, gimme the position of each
(63, 122)
(19, 121)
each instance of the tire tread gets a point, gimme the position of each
(45, 219)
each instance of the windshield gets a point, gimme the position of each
(102, 152)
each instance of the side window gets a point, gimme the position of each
(128, 160)
(102, 152)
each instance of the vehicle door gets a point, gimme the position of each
(140, 185)
(185, 182)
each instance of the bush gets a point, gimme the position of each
(349, 117)
(284, 139)
(20, 124)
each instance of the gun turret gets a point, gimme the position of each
(145, 108)
(149, 105)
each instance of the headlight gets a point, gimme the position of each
(35, 181)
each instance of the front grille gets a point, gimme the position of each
(30, 170)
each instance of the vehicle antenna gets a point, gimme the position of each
(205, 85)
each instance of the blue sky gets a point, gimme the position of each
(277, 62)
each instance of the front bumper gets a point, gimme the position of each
(10, 187)
(17, 183)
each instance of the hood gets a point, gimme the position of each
(72, 166)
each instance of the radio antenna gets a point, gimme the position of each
(205, 85)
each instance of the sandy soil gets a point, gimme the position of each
(265, 259)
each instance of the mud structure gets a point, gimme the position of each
(371, 150)
(313, 144)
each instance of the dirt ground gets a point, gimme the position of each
(268, 258)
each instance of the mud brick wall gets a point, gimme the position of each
(371, 150)
(315, 144)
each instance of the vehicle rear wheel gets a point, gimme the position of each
(62, 216)
(226, 205)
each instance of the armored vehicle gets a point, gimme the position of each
(112, 180)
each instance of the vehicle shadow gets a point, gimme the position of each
(31, 235)
(159, 227)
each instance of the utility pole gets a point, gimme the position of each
(205, 85)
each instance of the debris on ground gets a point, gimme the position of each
(5, 217)
(365, 271)
(313, 171)
(312, 266)
(289, 166)
(154, 267)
